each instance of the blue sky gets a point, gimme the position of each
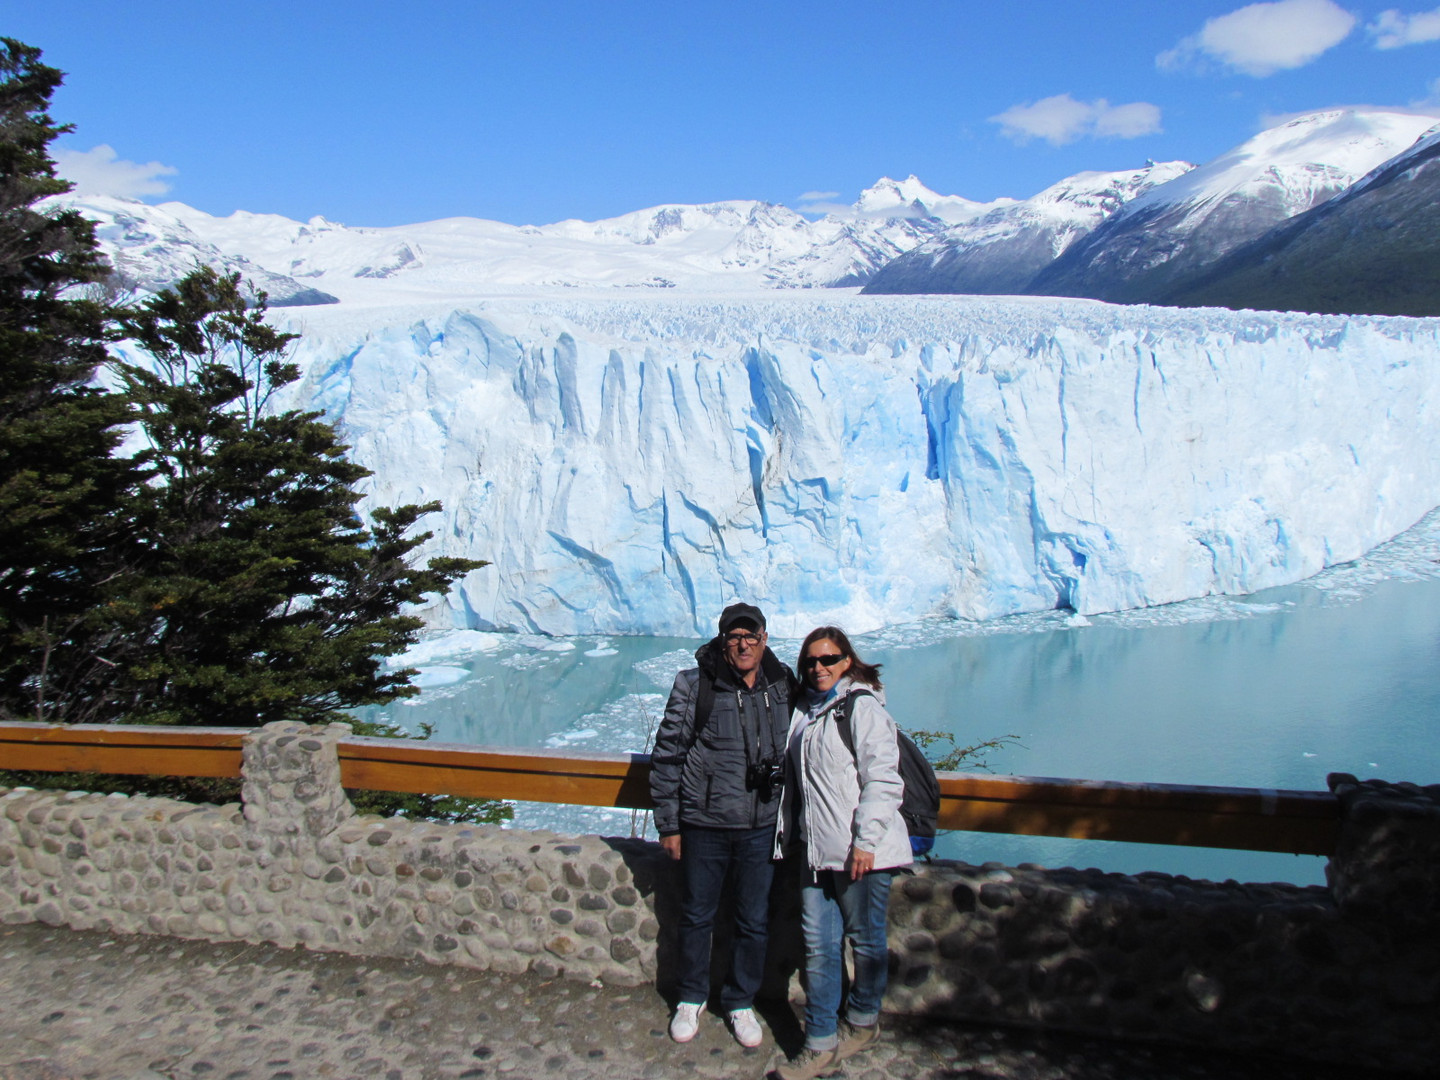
(378, 113)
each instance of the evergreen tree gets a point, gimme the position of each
(258, 594)
(217, 575)
(60, 485)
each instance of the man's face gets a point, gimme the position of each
(744, 646)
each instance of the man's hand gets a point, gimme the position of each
(671, 846)
(859, 862)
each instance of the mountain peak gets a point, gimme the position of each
(887, 194)
(1343, 144)
(910, 198)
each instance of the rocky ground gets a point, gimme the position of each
(91, 1006)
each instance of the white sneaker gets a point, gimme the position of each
(686, 1021)
(746, 1027)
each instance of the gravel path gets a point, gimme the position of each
(91, 1006)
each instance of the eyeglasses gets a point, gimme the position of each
(738, 640)
(829, 660)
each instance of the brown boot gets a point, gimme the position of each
(809, 1064)
(854, 1039)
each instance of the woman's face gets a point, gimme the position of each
(823, 664)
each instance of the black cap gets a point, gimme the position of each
(741, 613)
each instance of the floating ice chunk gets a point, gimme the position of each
(526, 661)
(565, 738)
(662, 669)
(1078, 620)
(439, 676)
(450, 644)
(558, 646)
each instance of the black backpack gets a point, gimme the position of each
(920, 806)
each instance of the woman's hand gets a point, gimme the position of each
(859, 862)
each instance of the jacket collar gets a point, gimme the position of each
(844, 686)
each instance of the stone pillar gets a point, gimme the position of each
(1386, 864)
(292, 780)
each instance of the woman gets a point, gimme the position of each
(842, 802)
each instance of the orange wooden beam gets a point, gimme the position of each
(555, 776)
(1303, 822)
(1299, 822)
(138, 750)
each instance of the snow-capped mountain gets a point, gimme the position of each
(717, 246)
(909, 198)
(1138, 235)
(151, 247)
(632, 463)
(1001, 250)
(1375, 248)
(1177, 229)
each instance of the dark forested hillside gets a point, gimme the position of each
(1374, 250)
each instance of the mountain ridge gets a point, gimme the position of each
(1130, 236)
(744, 244)
(1373, 250)
(1173, 231)
(1002, 250)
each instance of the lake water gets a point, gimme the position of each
(1340, 673)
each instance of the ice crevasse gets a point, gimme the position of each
(633, 465)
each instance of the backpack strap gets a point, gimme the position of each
(704, 706)
(842, 718)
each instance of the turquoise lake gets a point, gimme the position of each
(1275, 690)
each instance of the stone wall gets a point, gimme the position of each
(1350, 976)
(298, 867)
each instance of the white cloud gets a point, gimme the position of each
(100, 172)
(1061, 119)
(823, 202)
(1392, 29)
(1126, 121)
(1262, 39)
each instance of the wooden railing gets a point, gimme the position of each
(1299, 822)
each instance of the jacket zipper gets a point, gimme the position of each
(755, 797)
(759, 745)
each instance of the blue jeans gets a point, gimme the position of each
(832, 909)
(707, 857)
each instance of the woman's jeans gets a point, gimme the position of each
(707, 856)
(834, 908)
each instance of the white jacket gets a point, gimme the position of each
(844, 799)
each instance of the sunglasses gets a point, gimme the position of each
(829, 660)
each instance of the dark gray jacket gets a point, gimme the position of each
(700, 778)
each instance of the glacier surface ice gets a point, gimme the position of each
(631, 466)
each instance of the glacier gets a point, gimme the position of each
(632, 464)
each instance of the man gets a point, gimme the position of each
(715, 779)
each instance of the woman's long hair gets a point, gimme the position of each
(859, 672)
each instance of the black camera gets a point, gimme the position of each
(766, 777)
